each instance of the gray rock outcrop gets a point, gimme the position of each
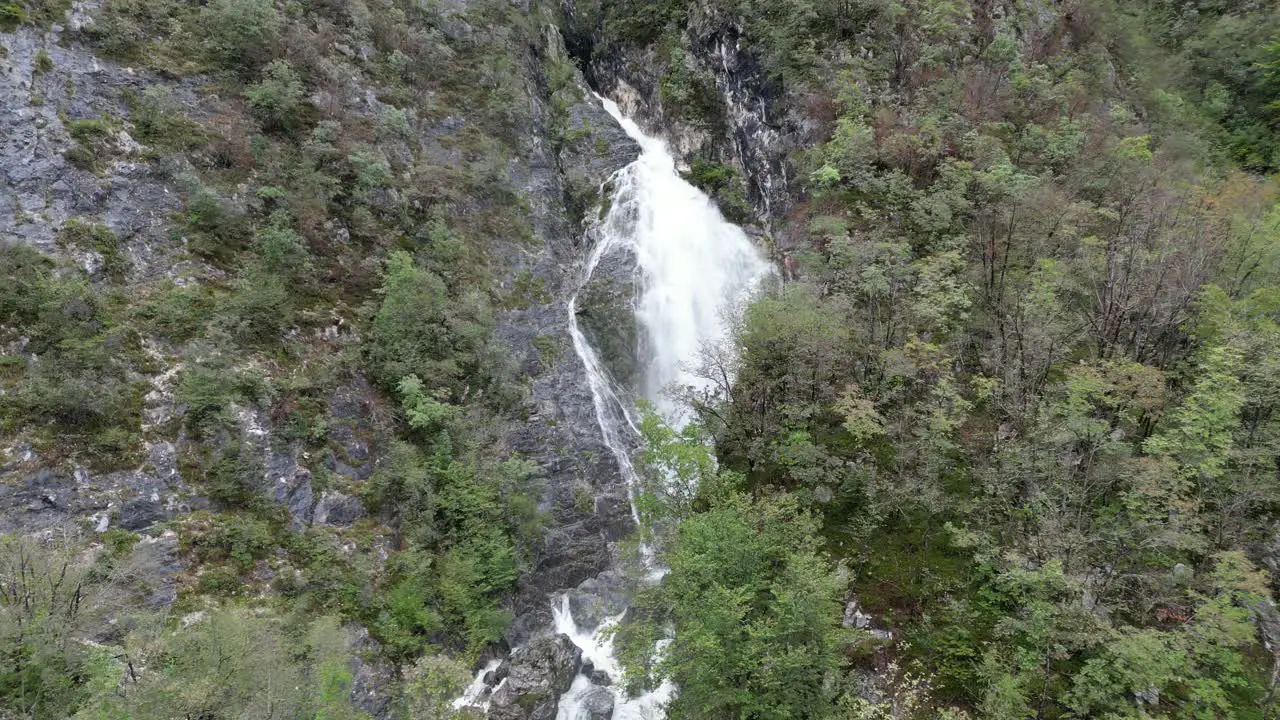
(536, 676)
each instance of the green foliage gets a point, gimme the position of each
(238, 34)
(210, 390)
(25, 272)
(93, 143)
(433, 683)
(43, 63)
(404, 485)
(689, 94)
(160, 120)
(418, 330)
(1196, 668)
(260, 308)
(77, 377)
(238, 538)
(98, 238)
(240, 663)
(276, 100)
(755, 611)
(723, 183)
(35, 12)
(12, 14)
(234, 477)
(176, 312)
(38, 625)
(218, 230)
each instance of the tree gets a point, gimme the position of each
(419, 330)
(755, 611)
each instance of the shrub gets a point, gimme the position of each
(219, 230)
(419, 331)
(238, 33)
(23, 270)
(210, 389)
(372, 172)
(279, 251)
(79, 386)
(12, 14)
(260, 309)
(177, 313)
(159, 121)
(277, 98)
(236, 537)
(98, 238)
(93, 146)
(234, 478)
(43, 63)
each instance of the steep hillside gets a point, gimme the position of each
(283, 335)
(292, 423)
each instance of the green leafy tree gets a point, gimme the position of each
(755, 612)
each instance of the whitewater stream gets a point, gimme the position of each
(695, 270)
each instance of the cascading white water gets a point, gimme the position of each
(695, 270)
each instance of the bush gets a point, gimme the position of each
(79, 386)
(43, 63)
(260, 309)
(93, 148)
(175, 312)
(98, 238)
(419, 331)
(37, 12)
(238, 538)
(210, 389)
(159, 121)
(23, 271)
(238, 34)
(276, 100)
(279, 251)
(12, 14)
(219, 230)
(234, 478)
(78, 378)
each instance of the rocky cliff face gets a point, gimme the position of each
(708, 96)
(68, 153)
(581, 488)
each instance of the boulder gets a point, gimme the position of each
(596, 703)
(536, 676)
(337, 509)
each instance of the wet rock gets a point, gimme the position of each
(124, 193)
(142, 512)
(159, 585)
(40, 500)
(374, 682)
(854, 617)
(597, 704)
(606, 314)
(596, 599)
(290, 486)
(600, 677)
(537, 675)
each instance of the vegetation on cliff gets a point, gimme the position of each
(1018, 396)
(1021, 388)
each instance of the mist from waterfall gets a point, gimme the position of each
(695, 271)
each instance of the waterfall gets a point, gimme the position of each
(695, 270)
